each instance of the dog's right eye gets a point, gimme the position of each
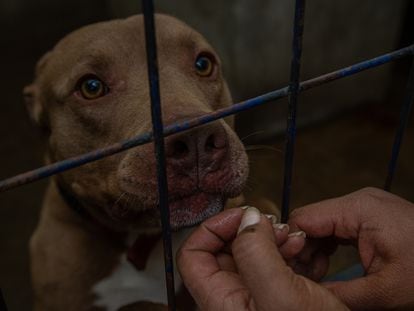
(204, 64)
(91, 87)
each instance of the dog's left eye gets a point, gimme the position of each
(91, 87)
(204, 65)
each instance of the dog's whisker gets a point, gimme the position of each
(261, 147)
(128, 199)
(251, 161)
(248, 187)
(118, 199)
(252, 183)
(252, 134)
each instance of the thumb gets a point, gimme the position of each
(260, 265)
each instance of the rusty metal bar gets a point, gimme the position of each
(144, 138)
(158, 136)
(293, 93)
(405, 115)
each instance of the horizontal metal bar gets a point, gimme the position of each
(144, 138)
(353, 69)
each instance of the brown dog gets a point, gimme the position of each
(90, 91)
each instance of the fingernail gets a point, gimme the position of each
(272, 218)
(250, 217)
(281, 227)
(298, 233)
(244, 207)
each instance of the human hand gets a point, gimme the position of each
(381, 226)
(254, 276)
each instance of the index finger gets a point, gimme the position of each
(339, 217)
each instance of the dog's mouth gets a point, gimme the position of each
(185, 210)
(193, 209)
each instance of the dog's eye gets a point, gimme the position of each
(204, 65)
(91, 87)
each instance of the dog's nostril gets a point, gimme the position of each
(210, 143)
(180, 149)
(214, 142)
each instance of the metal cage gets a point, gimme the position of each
(160, 131)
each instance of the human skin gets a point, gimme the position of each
(381, 226)
(378, 223)
(254, 276)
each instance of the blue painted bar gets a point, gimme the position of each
(293, 93)
(353, 272)
(356, 68)
(405, 115)
(159, 149)
(144, 138)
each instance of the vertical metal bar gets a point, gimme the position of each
(157, 125)
(3, 306)
(404, 118)
(293, 100)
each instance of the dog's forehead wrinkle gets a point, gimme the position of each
(99, 57)
(101, 47)
(90, 34)
(175, 34)
(95, 59)
(98, 48)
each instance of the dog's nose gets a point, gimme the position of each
(204, 148)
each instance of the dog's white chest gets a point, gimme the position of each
(128, 285)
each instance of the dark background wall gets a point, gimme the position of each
(253, 38)
(27, 30)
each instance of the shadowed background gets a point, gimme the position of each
(346, 129)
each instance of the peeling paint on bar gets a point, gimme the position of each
(73, 162)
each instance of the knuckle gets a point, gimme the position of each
(297, 213)
(246, 239)
(367, 198)
(372, 192)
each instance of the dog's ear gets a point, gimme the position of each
(33, 105)
(31, 94)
